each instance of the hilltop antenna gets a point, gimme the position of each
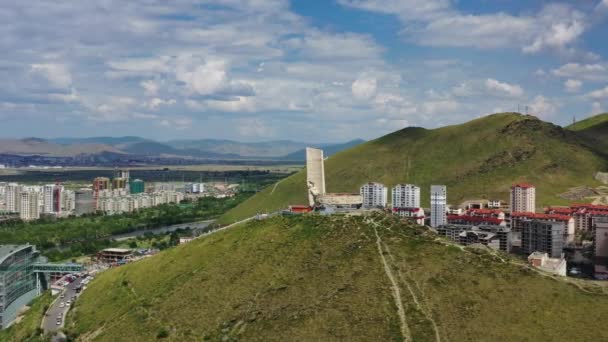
(526, 110)
(573, 119)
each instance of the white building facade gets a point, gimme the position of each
(523, 198)
(439, 197)
(374, 195)
(406, 196)
(29, 206)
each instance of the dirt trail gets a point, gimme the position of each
(405, 330)
(422, 308)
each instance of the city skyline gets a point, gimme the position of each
(277, 69)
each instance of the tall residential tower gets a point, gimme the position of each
(374, 195)
(523, 198)
(439, 197)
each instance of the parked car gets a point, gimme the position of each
(62, 304)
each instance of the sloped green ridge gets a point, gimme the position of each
(594, 130)
(478, 159)
(313, 278)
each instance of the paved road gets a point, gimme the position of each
(49, 323)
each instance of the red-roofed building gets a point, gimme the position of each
(518, 218)
(495, 213)
(585, 215)
(560, 210)
(475, 220)
(300, 209)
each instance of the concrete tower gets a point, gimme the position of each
(315, 174)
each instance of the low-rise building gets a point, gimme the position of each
(547, 264)
(496, 237)
(113, 255)
(415, 214)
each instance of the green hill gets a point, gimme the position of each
(594, 129)
(313, 278)
(478, 159)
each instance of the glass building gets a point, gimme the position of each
(18, 281)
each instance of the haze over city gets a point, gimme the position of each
(303, 70)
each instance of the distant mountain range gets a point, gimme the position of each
(185, 149)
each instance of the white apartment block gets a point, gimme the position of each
(523, 198)
(125, 204)
(13, 197)
(29, 206)
(374, 195)
(439, 197)
(406, 196)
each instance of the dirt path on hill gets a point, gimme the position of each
(424, 308)
(405, 330)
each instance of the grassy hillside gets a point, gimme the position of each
(478, 159)
(589, 122)
(594, 129)
(335, 278)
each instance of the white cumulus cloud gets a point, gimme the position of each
(502, 88)
(364, 88)
(57, 74)
(573, 86)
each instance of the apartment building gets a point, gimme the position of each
(523, 198)
(29, 208)
(496, 237)
(374, 195)
(543, 236)
(439, 197)
(405, 196)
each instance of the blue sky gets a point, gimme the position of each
(307, 70)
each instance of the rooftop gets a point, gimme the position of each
(557, 217)
(522, 185)
(117, 250)
(6, 250)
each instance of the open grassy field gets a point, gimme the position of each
(335, 278)
(478, 159)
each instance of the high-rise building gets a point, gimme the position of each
(100, 184)
(13, 197)
(406, 196)
(439, 198)
(51, 198)
(84, 202)
(29, 208)
(523, 198)
(137, 186)
(119, 183)
(374, 195)
(124, 174)
(543, 236)
(315, 174)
